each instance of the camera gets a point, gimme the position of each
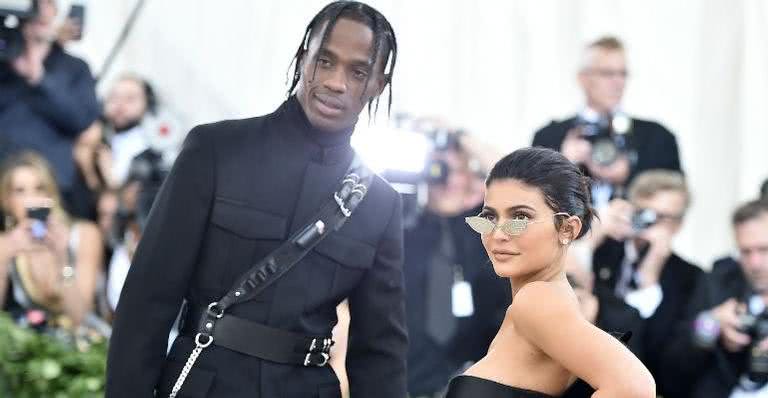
(643, 218)
(423, 168)
(12, 15)
(754, 322)
(609, 139)
(39, 221)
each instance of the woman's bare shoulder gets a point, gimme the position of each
(543, 297)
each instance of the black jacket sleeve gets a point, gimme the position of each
(614, 315)
(67, 98)
(671, 160)
(682, 361)
(377, 348)
(160, 272)
(550, 136)
(11, 86)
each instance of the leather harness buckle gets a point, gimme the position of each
(318, 355)
(322, 357)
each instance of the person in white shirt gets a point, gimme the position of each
(633, 256)
(719, 347)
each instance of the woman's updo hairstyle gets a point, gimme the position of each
(565, 188)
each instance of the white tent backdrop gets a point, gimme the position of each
(499, 68)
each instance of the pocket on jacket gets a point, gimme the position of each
(247, 221)
(196, 385)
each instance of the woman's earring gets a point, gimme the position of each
(565, 241)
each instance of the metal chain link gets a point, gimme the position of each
(188, 366)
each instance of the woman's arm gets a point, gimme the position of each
(76, 291)
(11, 242)
(78, 294)
(548, 316)
(3, 270)
(90, 262)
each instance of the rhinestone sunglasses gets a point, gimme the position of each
(484, 226)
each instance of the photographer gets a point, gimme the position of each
(719, 350)
(47, 97)
(51, 261)
(611, 146)
(454, 301)
(135, 121)
(634, 257)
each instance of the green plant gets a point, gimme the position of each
(34, 365)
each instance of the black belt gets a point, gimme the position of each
(257, 340)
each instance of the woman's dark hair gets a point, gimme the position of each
(564, 186)
(384, 42)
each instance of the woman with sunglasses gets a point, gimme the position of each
(536, 204)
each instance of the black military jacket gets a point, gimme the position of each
(237, 190)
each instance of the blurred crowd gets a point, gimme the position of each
(79, 174)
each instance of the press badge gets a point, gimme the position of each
(461, 296)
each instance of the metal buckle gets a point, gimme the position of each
(211, 312)
(359, 189)
(327, 343)
(325, 357)
(207, 343)
(342, 205)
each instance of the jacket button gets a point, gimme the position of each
(604, 273)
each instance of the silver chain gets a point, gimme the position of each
(188, 366)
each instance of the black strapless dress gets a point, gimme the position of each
(475, 387)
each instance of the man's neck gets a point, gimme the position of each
(592, 113)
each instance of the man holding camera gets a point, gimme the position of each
(47, 97)
(720, 349)
(455, 302)
(610, 146)
(633, 257)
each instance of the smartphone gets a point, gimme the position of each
(39, 221)
(77, 15)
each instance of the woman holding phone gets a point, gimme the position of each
(49, 263)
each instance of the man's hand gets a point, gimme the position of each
(727, 314)
(659, 239)
(575, 148)
(30, 64)
(614, 221)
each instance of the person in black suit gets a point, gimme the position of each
(646, 144)
(455, 302)
(237, 190)
(635, 260)
(708, 356)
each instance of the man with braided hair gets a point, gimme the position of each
(238, 191)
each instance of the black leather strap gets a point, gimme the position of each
(330, 217)
(261, 341)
